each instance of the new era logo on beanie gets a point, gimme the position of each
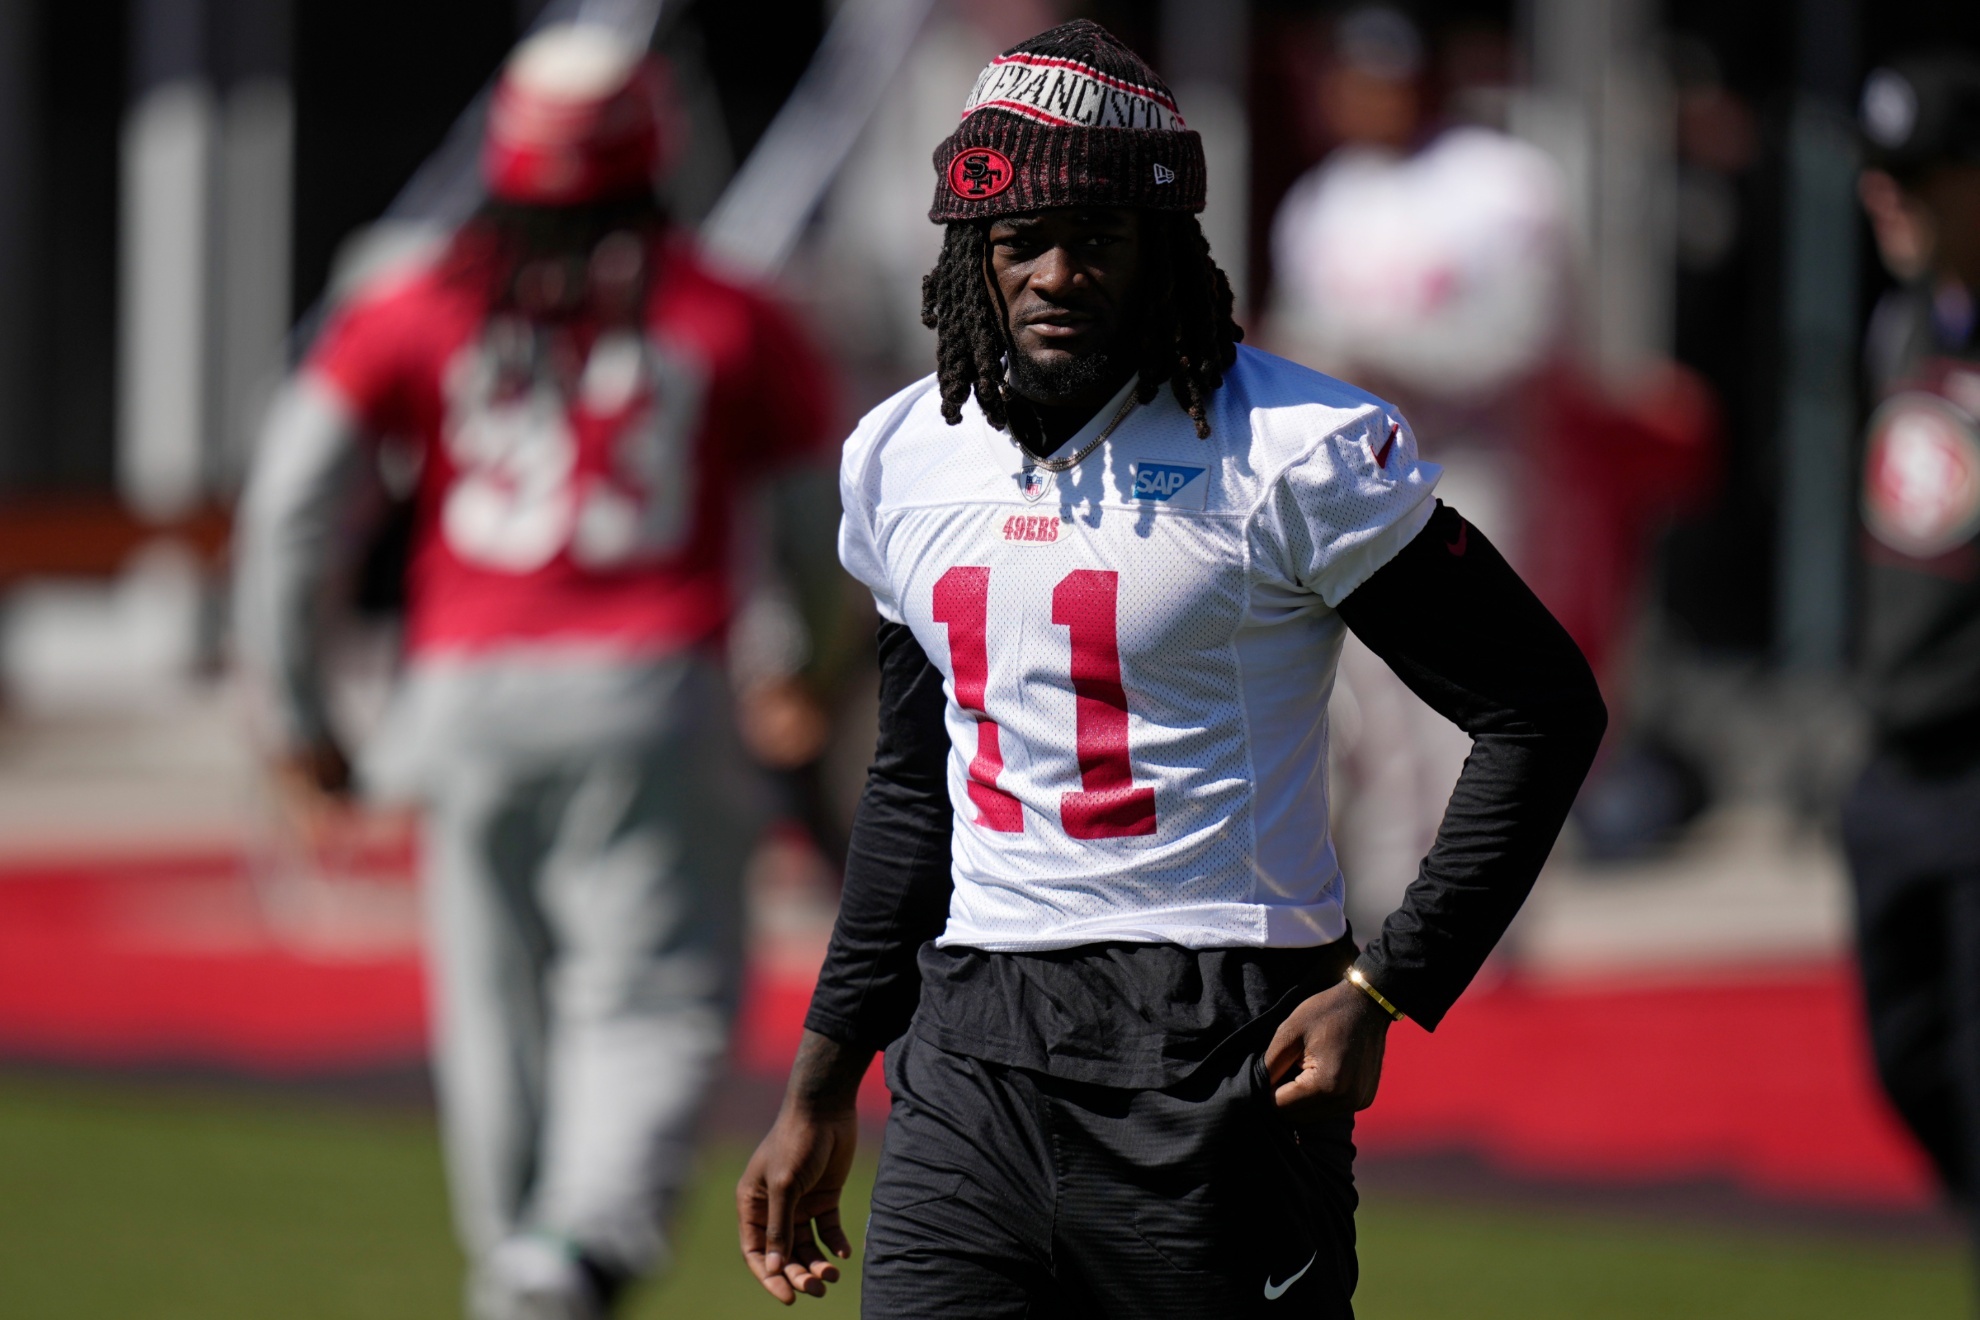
(1069, 118)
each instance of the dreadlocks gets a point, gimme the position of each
(1188, 338)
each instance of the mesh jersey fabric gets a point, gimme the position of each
(1137, 665)
(602, 511)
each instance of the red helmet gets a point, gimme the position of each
(577, 117)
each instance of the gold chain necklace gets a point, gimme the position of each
(1072, 461)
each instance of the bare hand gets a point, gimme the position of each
(315, 772)
(322, 765)
(790, 1189)
(1326, 1058)
(314, 791)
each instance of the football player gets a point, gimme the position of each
(1091, 912)
(587, 404)
(1912, 823)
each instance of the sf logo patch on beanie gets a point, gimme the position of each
(979, 172)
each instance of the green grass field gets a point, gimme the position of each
(167, 1204)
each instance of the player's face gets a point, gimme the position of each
(1069, 280)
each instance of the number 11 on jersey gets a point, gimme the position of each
(1106, 805)
(962, 602)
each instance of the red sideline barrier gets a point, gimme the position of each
(269, 1013)
(135, 963)
(1763, 1081)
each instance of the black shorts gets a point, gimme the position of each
(1005, 1193)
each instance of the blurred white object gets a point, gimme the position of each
(571, 62)
(204, 272)
(1599, 104)
(1446, 271)
(1444, 276)
(533, 1278)
(251, 301)
(133, 642)
(169, 142)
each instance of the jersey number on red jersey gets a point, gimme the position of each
(1106, 805)
(522, 494)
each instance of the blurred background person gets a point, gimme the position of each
(1430, 257)
(1428, 268)
(1912, 825)
(585, 405)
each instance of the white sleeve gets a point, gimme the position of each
(859, 547)
(1349, 505)
(287, 537)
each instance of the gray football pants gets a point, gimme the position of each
(584, 913)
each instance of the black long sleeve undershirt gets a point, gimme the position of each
(1459, 627)
(896, 895)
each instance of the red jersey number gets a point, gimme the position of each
(520, 497)
(1106, 805)
(962, 602)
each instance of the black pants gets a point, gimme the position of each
(1914, 849)
(1004, 1193)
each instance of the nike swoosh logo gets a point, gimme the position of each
(1274, 1291)
(1382, 454)
(1464, 535)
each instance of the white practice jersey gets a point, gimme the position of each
(1138, 657)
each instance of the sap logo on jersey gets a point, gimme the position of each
(1173, 484)
(1031, 529)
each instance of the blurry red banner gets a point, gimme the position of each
(192, 962)
(1763, 1080)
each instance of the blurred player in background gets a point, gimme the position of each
(1433, 260)
(588, 407)
(1436, 273)
(1912, 825)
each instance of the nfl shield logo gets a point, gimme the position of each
(1032, 484)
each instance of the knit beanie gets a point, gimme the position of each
(1069, 118)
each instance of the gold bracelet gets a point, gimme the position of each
(1367, 987)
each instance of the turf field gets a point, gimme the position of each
(170, 1204)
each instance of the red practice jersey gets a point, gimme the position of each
(581, 483)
